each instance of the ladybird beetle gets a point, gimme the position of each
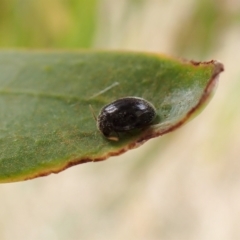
(125, 114)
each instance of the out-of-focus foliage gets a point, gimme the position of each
(203, 30)
(44, 23)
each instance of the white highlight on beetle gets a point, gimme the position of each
(111, 109)
(105, 90)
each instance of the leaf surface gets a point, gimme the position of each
(46, 122)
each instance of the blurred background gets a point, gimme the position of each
(185, 185)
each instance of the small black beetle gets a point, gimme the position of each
(124, 115)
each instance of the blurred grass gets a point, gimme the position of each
(74, 23)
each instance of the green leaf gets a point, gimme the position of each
(46, 122)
